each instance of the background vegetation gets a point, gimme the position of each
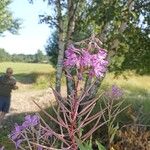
(39, 57)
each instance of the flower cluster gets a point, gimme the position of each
(17, 134)
(94, 64)
(114, 93)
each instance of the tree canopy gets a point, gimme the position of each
(7, 22)
(122, 26)
(38, 57)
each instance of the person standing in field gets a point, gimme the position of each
(7, 84)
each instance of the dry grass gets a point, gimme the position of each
(129, 80)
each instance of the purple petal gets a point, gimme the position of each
(18, 142)
(40, 148)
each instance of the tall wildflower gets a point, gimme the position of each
(94, 65)
(19, 132)
(114, 93)
(69, 118)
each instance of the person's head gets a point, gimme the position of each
(9, 72)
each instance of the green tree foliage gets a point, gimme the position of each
(52, 48)
(123, 27)
(7, 22)
(23, 58)
(4, 56)
(137, 54)
(39, 56)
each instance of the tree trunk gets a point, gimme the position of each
(61, 47)
(72, 7)
(59, 64)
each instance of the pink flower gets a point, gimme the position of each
(30, 121)
(114, 93)
(94, 64)
(71, 57)
(85, 59)
(102, 53)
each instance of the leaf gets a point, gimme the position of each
(113, 131)
(134, 14)
(85, 146)
(100, 146)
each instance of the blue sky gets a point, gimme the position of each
(32, 35)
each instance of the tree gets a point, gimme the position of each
(52, 48)
(67, 13)
(39, 56)
(123, 27)
(119, 25)
(7, 22)
(4, 56)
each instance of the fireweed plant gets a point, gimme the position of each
(70, 120)
(112, 100)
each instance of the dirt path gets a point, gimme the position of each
(22, 99)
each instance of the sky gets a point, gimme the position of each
(32, 35)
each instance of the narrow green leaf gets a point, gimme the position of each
(100, 146)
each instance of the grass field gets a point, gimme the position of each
(137, 94)
(133, 84)
(26, 68)
(26, 72)
(42, 75)
(39, 75)
(136, 88)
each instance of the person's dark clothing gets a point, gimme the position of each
(4, 103)
(7, 84)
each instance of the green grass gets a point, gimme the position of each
(26, 68)
(135, 86)
(136, 94)
(131, 80)
(38, 75)
(5, 141)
